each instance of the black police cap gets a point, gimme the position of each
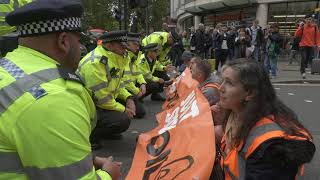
(46, 16)
(133, 36)
(120, 36)
(151, 47)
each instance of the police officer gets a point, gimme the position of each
(46, 113)
(8, 40)
(133, 79)
(165, 40)
(148, 64)
(102, 70)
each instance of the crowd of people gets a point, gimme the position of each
(57, 107)
(262, 45)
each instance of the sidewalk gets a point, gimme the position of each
(291, 73)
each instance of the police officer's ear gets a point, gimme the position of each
(64, 42)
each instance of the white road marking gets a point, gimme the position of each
(308, 101)
(302, 85)
(290, 94)
(277, 88)
(134, 132)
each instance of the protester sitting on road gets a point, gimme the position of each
(261, 133)
(186, 59)
(209, 86)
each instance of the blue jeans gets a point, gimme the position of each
(255, 53)
(273, 65)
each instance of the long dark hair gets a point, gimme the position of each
(265, 102)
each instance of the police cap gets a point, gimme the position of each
(133, 36)
(151, 47)
(46, 16)
(120, 36)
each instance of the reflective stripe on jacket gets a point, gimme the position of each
(46, 120)
(132, 74)
(6, 6)
(102, 71)
(234, 163)
(145, 69)
(161, 38)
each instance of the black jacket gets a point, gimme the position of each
(220, 38)
(278, 159)
(260, 36)
(200, 41)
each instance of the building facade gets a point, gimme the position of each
(235, 12)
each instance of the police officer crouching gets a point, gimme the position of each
(133, 79)
(148, 64)
(46, 113)
(102, 70)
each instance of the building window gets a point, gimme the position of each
(288, 14)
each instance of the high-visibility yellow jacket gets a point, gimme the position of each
(46, 119)
(102, 71)
(161, 38)
(147, 68)
(6, 6)
(132, 74)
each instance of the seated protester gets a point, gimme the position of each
(101, 71)
(209, 86)
(263, 137)
(185, 58)
(133, 79)
(148, 65)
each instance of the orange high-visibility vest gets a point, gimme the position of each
(234, 162)
(210, 85)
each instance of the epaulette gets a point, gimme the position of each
(104, 60)
(143, 60)
(69, 75)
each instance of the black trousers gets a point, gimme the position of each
(140, 110)
(161, 74)
(221, 57)
(306, 57)
(153, 88)
(8, 44)
(109, 123)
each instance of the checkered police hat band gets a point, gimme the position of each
(55, 25)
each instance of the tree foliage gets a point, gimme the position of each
(98, 14)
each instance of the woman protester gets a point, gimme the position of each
(263, 138)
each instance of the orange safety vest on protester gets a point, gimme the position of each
(210, 85)
(265, 129)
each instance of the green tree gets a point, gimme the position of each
(98, 14)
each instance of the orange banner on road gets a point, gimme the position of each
(181, 86)
(183, 144)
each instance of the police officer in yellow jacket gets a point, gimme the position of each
(102, 70)
(8, 40)
(46, 113)
(165, 40)
(148, 64)
(133, 79)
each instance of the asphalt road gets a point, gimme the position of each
(304, 99)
